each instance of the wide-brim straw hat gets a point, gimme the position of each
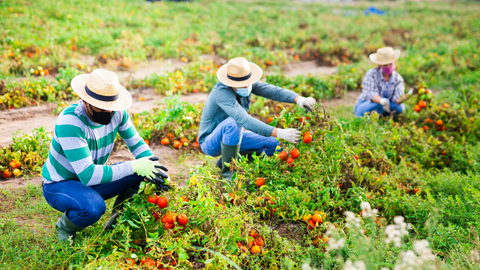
(385, 56)
(238, 72)
(102, 89)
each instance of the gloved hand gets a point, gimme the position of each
(410, 92)
(385, 103)
(290, 134)
(306, 103)
(148, 168)
(160, 175)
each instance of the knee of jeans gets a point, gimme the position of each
(232, 132)
(400, 108)
(232, 126)
(94, 209)
(271, 146)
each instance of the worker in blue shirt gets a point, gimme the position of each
(225, 115)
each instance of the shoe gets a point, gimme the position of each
(229, 152)
(66, 229)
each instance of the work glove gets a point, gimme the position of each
(385, 103)
(306, 103)
(148, 168)
(410, 92)
(160, 175)
(290, 135)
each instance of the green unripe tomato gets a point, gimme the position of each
(150, 188)
(421, 91)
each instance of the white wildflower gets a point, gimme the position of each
(358, 265)
(420, 261)
(336, 244)
(367, 211)
(352, 220)
(306, 266)
(396, 231)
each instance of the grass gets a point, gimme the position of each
(398, 168)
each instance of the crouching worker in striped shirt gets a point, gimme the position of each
(382, 87)
(76, 180)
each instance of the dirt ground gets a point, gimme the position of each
(179, 163)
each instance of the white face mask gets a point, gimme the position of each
(244, 92)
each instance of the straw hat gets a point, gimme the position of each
(385, 56)
(238, 72)
(102, 89)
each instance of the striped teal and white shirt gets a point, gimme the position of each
(80, 148)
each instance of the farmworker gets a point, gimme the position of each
(382, 86)
(225, 115)
(76, 180)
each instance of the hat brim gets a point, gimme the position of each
(123, 102)
(256, 71)
(373, 58)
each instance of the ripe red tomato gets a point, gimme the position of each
(144, 260)
(152, 199)
(156, 216)
(7, 174)
(307, 138)
(131, 262)
(295, 153)
(259, 242)
(169, 226)
(164, 219)
(15, 164)
(291, 162)
(162, 202)
(151, 264)
(283, 155)
(422, 104)
(165, 141)
(170, 218)
(260, 182)
(311, 225)
(177, 144)
(182, 219)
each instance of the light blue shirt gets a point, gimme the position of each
(223, 102)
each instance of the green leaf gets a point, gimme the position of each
(132, 224)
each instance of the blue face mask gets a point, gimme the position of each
(244, 92)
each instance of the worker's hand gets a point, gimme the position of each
(149, 168)
(410, 92)
(290, 135)
(306, 103)
(385, 103)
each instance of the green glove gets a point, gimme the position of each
(144, 167)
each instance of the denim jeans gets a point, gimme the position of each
(364, 106)
(230, 133)
(86, 204)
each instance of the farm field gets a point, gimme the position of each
(369, 193)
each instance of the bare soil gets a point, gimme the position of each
(348, 100)
(306, 68)
(150, 67)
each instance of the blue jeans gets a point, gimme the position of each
(86, 204)
(364, 106)
(230, 133)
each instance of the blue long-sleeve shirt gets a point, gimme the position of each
(223, 102)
